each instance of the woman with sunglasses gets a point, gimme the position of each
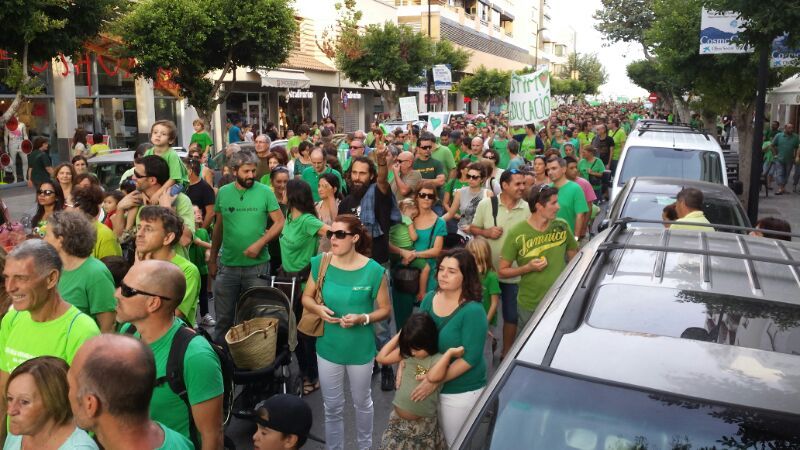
(49, 199)
(466, 199)
(431, 231)
(490, 159)
(352, 285)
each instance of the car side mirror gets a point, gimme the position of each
(737, 187)
(603, 225)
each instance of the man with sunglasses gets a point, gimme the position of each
(41, 322)
(147, 299)
(405, 179)
(429, 168)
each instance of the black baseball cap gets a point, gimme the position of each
(285, 413)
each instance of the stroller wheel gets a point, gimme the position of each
(293, 385)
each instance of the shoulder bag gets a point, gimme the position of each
(406, 279)
(311, 324)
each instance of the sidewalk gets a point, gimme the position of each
(786, 207)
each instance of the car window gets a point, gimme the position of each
(711, 317)
(541, 409)
(665, 162)
(111, 174)
(645, 205)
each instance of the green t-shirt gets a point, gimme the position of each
(398, 234)
(202, 374)
(107, 243)
(244, 221)
(22, 339)
(348, 292)
(429, 169)
(177, 170)
(203, 139)
(191, 297)
(443, 155)
(584, 139)
(786, 146)
(528, 147)
(455, 150)
(408, 382)
(311, 177)
(491, 286)
(454, 184)
(466, 327)
(174, 440)
(769, 157)
(619, 138)
(501, 147)
(197, 254)
(571, 202)
(584, 166)
(90, 287)
(525, 243)
(425, 240)
(292, 143)
(299, 241)
(78, 440)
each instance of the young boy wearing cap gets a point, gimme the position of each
(284, 422)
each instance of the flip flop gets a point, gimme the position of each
(309, 387)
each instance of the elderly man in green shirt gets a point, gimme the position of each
(786, 144)
(311, 175)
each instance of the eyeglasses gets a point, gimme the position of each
(490, 156)
(425, 147)
(139, 175)
(473, 177)
(404, 160)
(428, 196)
(47, 192)
(355, 146)
(129, 292)
(340, 234)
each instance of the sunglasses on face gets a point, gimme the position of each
(426, 195)
(425, 147)
(492, 157)
(139, 175)
(339, 234)
(47, 192)
(129, 292)
(473, 177)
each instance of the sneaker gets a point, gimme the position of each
(208, 321)
(387, 378)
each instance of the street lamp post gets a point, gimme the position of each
(536, 57)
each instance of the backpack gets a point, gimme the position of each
(174, 374)
(495, 208)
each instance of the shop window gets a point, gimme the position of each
(165, 109)
(118, 120)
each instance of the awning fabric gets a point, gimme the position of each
(295, 79)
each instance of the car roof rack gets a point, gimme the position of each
(676, 128)
(577, 309)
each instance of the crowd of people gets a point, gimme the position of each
(425, 252)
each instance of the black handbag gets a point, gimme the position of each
(406, 279)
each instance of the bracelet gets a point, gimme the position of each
(367, 319)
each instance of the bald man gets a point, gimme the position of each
(111, 381)
(146, 300)
(406, 178)
(311, 175)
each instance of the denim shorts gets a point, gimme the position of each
(508, 302)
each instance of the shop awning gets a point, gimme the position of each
(284, 78)
(788, 93)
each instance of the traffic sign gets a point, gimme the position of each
(653, 97)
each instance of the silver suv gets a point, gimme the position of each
(655, 339)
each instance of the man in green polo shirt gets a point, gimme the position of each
(159, 232)
(240, 238)
(499, 142)
(494, 226)
(786, 144)
(318, 167)
(147, 299)
(441, 152)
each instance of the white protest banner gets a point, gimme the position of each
(437, 122)
(529, 101)
(408, 109)
(718, 31)
(442, 78)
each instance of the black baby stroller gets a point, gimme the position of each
(277, 377)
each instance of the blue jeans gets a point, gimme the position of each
(230, 284)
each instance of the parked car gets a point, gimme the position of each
(646, 197)
(658, 150)
(110, 166)
(654, 339)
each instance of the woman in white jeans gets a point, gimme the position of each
(457, 310)
(352, 284)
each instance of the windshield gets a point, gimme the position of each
(540, 409)
(644, 205)
(665, 162)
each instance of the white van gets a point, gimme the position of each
(657, 150)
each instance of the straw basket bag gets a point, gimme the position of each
(252, 343)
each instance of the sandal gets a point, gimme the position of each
(309, 387)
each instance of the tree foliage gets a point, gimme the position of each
(626, 21)
(590, 71)
(36, 31)
(486, 85)
(565, 88)
(193, 38)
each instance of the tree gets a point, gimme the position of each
(40, 30)
(590, 71)
(486, 85)
(194, 38)
(566, 88)
(649, 74)
(626, 21)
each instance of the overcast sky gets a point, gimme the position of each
(578, 15)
